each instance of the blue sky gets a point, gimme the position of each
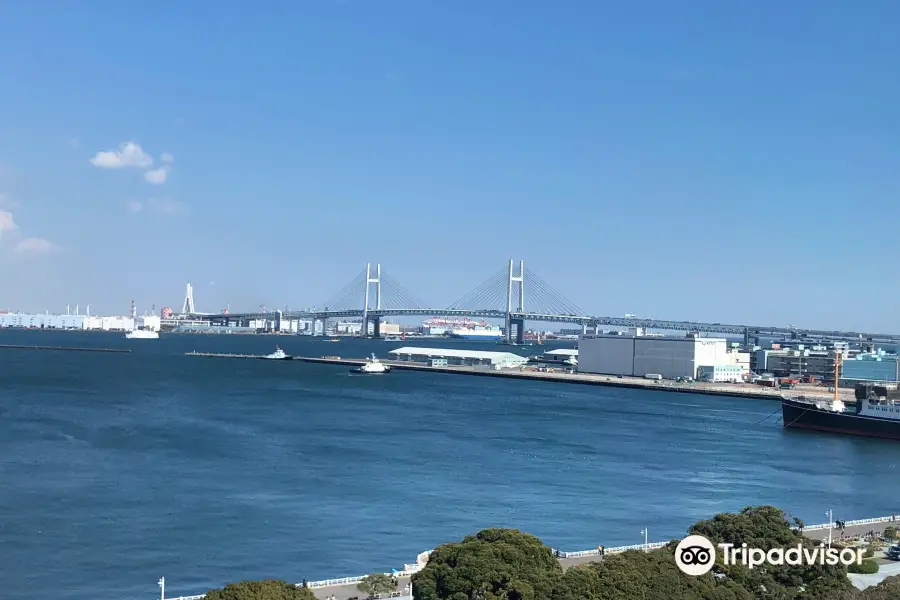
(733, 162)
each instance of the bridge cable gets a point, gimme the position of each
(489, 294)
(350, 296)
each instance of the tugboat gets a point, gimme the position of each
(372, 367)
(277, 355)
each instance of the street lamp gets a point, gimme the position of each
(644, 531)
(162, 588)
(830, 526)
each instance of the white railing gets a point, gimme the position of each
(617, 549)
(331, 582)
(596, 551)
(411, 569)
(407, 572)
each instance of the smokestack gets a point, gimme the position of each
(76, 310)
(67, 310)
(88, 312)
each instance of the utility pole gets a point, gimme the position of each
(646, 544)
(830, 526)
(162, 588)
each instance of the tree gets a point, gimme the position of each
(493, 564)
(261, 590)
(376, 583)
(504, 564)
(766, 527)
(890, 532)
(889, 589)
(867, 566)
(646, 576)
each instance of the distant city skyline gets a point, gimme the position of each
(734, 163)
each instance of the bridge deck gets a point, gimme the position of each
(589, 321)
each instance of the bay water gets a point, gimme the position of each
(116, 469)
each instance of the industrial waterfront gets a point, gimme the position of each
(120, 468)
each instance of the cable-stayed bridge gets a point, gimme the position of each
(514, 294)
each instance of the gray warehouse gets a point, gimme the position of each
(637, 356)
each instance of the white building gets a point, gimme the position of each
(637, 356)
(92, 322)
(151, 322)
(720, 373)
(740, 359)
(455, 356)
(48, 321)
(116, 323)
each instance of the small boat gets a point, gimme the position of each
(142, 334)
(278, 355)
(372, 367)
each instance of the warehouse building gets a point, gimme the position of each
(800, 362)
(495, 360)
(48, 321)
(671, 357)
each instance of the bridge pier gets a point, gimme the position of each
(518, 324)
(376, 327)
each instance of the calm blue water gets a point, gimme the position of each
(118, 469)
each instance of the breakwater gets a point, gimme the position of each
(64, 348)
(568, 559)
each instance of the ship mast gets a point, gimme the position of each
(838, 357)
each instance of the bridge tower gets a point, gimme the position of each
(520, 307)
(188, 306)
(376, 279)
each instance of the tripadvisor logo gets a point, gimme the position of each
(696, 555)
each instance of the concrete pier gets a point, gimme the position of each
(742, 390)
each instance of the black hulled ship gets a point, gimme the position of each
(877, 413)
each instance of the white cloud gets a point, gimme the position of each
(157, 176)
(129, 154)
(11, 238)
(35, 246)
(160, 207)
(167, 158)
(6, 222)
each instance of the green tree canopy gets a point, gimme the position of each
(493, 564)
(261, 590)
(766, 527)
(644, 575)
(889, 589)
(504, 564)
(376, 583)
